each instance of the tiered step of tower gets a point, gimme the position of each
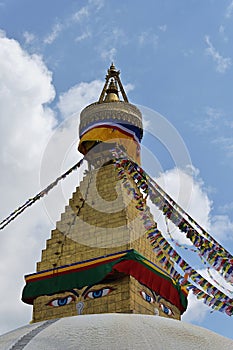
(100, 219)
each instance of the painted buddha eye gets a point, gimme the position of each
(147, 297)
(61, 301)
(166, 309)
(99, 293)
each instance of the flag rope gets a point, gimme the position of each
(38, 196)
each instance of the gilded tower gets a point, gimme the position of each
(98, 258)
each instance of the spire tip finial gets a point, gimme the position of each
(112, 70)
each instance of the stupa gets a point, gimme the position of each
(98, 259)
(99, 284)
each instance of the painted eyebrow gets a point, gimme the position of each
(86, 289)
(156, 296)
(74, 292)
(93, 285)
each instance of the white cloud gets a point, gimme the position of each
(29, 37)
(210, 120)
(111, 40)
(213, 276)
(226, 207)
(229, 10)
(128, 87)
(78, 17)
(25, 126)
(59, 155)
(213, 115)
(142, 38)
(67, 22)
(222, 63)
(222, 228)
(79, 96)
(83, 36)
(163, 28)
(221, 29)
(222, 33)
(51, 37)
(226, 143)
(186, 188)
(2, 33)
(81, 14)
(118, 34)
(109, 55)
(217, 124)
(196, 311)
(21, 101)
(98, 4)
(148, 38)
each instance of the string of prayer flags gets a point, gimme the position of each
(176, 242)
(219, 258)
(38, 196)
(219, 284)
(165, 253)
(210, 295)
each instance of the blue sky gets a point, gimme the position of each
(175, 57)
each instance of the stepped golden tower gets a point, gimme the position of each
(98, 258)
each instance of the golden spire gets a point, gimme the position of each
(111, 88)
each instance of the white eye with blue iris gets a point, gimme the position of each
(61, 301)
(99, 293)
(166, 310)
(147, 297)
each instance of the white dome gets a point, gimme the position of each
(113, 331)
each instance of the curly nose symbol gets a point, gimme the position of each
(79, 307)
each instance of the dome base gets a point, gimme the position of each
(113, 331)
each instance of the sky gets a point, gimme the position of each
(176, 62)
